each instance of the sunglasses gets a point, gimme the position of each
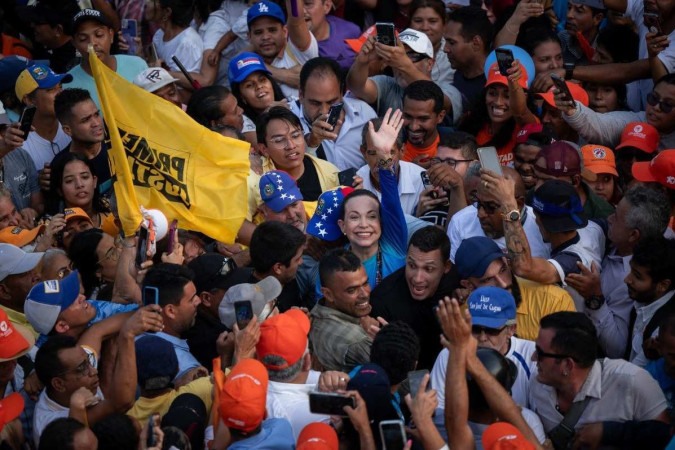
(489, 207)
(665, 106)
(477, 330)
(416, 57)
(542, 354)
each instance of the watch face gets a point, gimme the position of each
(514, 216)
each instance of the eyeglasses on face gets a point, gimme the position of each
(542, 354)
(477, 330)
(452, 162)
(84, 368)
(653, 99)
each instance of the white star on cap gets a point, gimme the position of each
(324, 217)
(670, 180)
(319, 224)
(329, 210)
(283, 196)
(292, 197)
(280, 188)
(322, 233)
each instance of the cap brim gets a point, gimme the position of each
(271, 288)
(482, 265)
(548, 98)
(599, 169)
(642, 172)
(355, 44)
(248, 71)
(12, 406)
(28, 262)
(489, 322)
(27, 335)
(561, 224)
(588, 174)
(635, 143)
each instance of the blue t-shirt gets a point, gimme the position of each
(275, 434)
(128, 66)
(657, 369)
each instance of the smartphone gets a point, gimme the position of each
(173, 228)
(130, 31)
(329, 403)
(385, 33)
(334, 114)
(561, 85)
(652, 21)
(150, 439)
(427, 183)
(26, 120)
(142, 248)
(150, 295)
(415, 379)
(243, 311)
(489, 159)
(392, 434)
(504, 60)
(346, 177)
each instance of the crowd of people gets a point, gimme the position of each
(460, 228)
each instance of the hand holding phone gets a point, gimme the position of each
(346, 177)
(504, 60)
(415, 380)
(172, 235)
(26, 120)
(334, 114)
(562, 87)
(427, 184)
(329, 403)
(392, 434)
(490, 160)
(142, 246)
(386, 33)
(652, 21)
(243, 312)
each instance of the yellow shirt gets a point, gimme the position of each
(19, 319)
(145, 407)
(538, 300)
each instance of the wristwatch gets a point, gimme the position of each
(512, 216)
(569, 70)
(594, 302)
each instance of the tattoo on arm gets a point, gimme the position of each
(517, 245)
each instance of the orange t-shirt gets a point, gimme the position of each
(411, 153)
(14, 46)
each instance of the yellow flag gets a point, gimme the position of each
(161, 158)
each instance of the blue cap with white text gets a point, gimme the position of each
(492, 307)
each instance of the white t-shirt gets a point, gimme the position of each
(43, 151)
(291, 57)
(409, 184)
(291, 402)
(187, 46)
(465, 224)
(520, 353)
(442, 72)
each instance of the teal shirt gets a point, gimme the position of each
(128, 67)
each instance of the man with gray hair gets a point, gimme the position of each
(283, 349)
(642, 213)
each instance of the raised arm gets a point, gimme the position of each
(357, 78)
(298, 32)
(518, 97)
(524, 10)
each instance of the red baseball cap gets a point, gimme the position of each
(504, 436)
(661, 169)
(599, 159)
(283, 335)
(639, 135)
(495, 76)
(242, 400)
(318, 436)
(578, 94)
(15, 340)
(528, 130)
(10, 408)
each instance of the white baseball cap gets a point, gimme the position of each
(418, 41)
(154, 78)
(258, 294)
(14, 261)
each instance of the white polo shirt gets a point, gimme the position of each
(409, 185)
(292, 57)
(520, 352)
(465, 224)
(43, 151)
(345, 151)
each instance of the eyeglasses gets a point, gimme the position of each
(112, 254)
(452, 162)
(542, 354)
(416, 57)
(287, 141)
(477, 330)
(489, 207)
(653, 100)
(83, 368)
(65, 271)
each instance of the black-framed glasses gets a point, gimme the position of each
(489, 207)
(542, 354)
(84, 368)
(112, 254)
(452, 162)
(477, 330)
(416, 57)
(653, 99)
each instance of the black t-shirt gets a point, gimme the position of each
(100, 163)
(61, 59)
(471, 88)
(201, 338)
(391, 300)
(309, 183)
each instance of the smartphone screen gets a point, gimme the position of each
(427, 183)
(334, 114)
(489, 159)
(150, 295)
(171, 235)
(142, 249)
(385, 33)
(561, 85)
(27, 120)
(504, 60)
(415, 379)
(652, 21)
(392, 434)
(130, 31)
(243, 312)
(329, 403)
(346, 177)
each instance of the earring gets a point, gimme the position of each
(565, 374)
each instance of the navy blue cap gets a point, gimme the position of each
(156, 362)
(243, 65)
(492, 307)
(265, 9)
(474, 255)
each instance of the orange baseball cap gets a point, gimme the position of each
(495, 76)
(599, 159)
(19, 236)
(10, 408)
(242, 400)
(504, 436)
(318, 436)
(284, 335)
(661, 169)
(15, 340)
(76, 213)
(356, 44)
(639, 135)
(578, 94)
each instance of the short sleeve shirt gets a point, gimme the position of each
(20, 177)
